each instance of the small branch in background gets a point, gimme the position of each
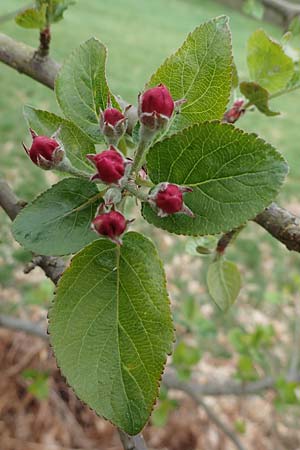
(12, 323)
(132, 442)
(45, 39)
(282, 225)
(226, 239)
(9, 201)
(21, 57)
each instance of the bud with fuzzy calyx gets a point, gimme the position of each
(235, 112)
(111, 225)
(156, 107)
(113, 124)
(46, 152)
(167, 198)
(112, 167)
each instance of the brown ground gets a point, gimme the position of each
(62, 423)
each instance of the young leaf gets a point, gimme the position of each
(76, 144)
(111, 328)
(254, 8)
(57, 9)
(81, 87)
(32, 17)
(258, 96)
(224, 283)
(58, 221)
(234, 176)
(200, 71)
(268, 65)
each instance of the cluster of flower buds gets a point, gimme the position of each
(167, 198)
(113, 124)
(235, 112)
(112, 167)
(156, 107)
(46, 152)
(110, 224)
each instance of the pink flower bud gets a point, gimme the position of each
(156, 107)
(110, 165)
(168, 199)
(111, 224)
(113, 124)
(157, 100)
(45, 152)
(235, 112)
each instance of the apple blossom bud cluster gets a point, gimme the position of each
(235, 112)
(45, 151)
(167, 198)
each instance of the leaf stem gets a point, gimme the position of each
(226, 239)
(136, 192)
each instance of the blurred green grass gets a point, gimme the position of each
(140, 34)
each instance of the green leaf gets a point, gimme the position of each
(294, 26)
(235, 76)
(111, 328)
(32, 18)
(81, 87)
(234, 176)
(254, 8)
(268, 65)
(200, 71)
(58, 221)
(76, 144)
(58, 7)
(224, 282)
(258, 96)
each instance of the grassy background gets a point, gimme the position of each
(139, 35)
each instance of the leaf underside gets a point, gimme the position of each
(111, 328)
(224, 283)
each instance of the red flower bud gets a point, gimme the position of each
(168, 198)
(111, 224)
(113, 124)
(112, 116)
(110, 165)
(157, 100)
(45, 152)
(235, 112)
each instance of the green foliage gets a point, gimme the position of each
(39, 383)
(224, 282)
(165, 406)
(258, 96)
(254, 8)
(32, 17)
(76, 144)
(268, 65)
(185, 356)
(111, 325)
(201, 73)
(58, 221)
(81, 87)
(287, 393)
(234, 175)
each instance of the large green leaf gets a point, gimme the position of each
(81, 87)
(32, 17)
(76, 144)
(258, 96)
(224, 282)
(268, 65)
(200, 71)
(111, 328)
(234, 175)
(58, 221)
